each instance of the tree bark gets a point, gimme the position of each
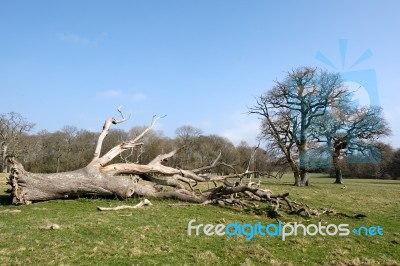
(4, 147)
(302, 179)
(338, 176)
(335, 161)
(28, 187)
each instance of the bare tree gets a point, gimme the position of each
(276, 131)
(351, 131)
(154, 143)
(394, 165)
(12, 127)
(289, 109)
(187, 137)
(103, 178)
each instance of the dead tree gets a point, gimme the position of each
(101, 178)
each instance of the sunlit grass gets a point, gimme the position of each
(157, 235)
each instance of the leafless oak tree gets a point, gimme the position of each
(349, 130)
(289, 108)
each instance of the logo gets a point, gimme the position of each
(249, 231)
(363, 84)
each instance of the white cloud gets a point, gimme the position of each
(138, 97)
(244, 127)
(84, 117)
(120, 95)
(74, 38)
(110, 94)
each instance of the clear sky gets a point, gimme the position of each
(198, 62)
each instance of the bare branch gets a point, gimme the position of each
(162, 157)
(111, 154)
(144, 202)
(104, 132)
(252, 157)
(122, 115)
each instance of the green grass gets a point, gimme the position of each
(157, 235)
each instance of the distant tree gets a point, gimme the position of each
(351, 131)
(225, 146)
(154, 143)
(186, 138)
(377, 166)
(208, 148)
(29, 149)
(83, 147)
(53, 150)
(244, 150)
(394, 166)
(63, 150)
(265, 162)
(114, 137)
(12, 127)
(289, 109)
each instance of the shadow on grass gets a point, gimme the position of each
(5, 200)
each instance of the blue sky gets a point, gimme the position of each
(198, 62)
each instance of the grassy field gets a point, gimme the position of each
(157, 235)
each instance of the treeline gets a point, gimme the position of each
(387, 166)
(71, 148)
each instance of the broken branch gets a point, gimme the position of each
(144, 202)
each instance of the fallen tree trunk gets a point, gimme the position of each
(27, 187)
(103, 179)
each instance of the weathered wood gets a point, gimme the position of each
(144, 202)
(27, 187)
